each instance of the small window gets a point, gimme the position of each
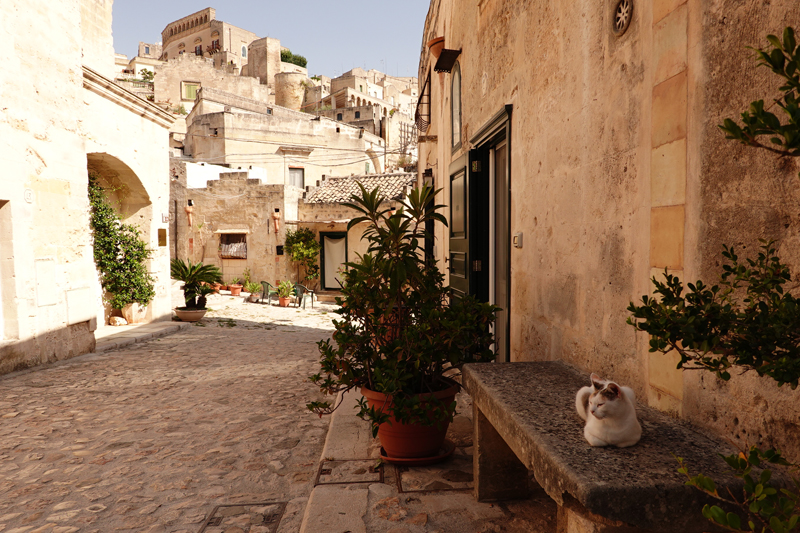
(146, 49)
(458, 208)
(198, 50)
(455, 106)
(244, 51)
(215, 44)
(269, 111)
(361, 88)
(358, 114)
(189, 90)
(297, 177)
(338, 117)
(233, 246)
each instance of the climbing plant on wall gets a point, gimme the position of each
(119, 252)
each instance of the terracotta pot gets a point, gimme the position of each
(134, 313)
(236, 290)
(435, 46)
(254, 296)
(283, 301)
(217, 287)
(410, 440)
(190, 315)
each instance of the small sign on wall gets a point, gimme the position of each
(162, 237)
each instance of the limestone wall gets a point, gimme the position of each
(190, 68)
(617, 171)
(282, 140)
(95, 29)
(52, 119)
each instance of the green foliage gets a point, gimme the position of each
(147, 75)
(246, 277)
(764, 506)
(119, 252)
(401, 330)
(747, 320)
(316, 78)
(285, 289)
(196, 278)
(253, 287)
(288, 57)
(304, 248)
(783, 58)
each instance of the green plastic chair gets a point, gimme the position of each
(300, 293)
(267, 291)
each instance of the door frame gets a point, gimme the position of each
(331, 235)
(495, 132)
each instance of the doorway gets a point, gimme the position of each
(333, 259)
(480, 223)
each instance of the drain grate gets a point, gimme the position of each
(622, 16)
(245, 515)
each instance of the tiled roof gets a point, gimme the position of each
(338, 190)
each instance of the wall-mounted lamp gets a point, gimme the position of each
(276, 220)
(189, 210)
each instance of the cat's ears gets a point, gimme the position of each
(597, 381)
(613, 388)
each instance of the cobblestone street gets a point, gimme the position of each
(153, 436)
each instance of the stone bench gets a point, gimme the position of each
(524, 420)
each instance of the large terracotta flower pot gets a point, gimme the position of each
(190, 315)
(410, 440)
(283, 301)
(236, 290)
(435, 46)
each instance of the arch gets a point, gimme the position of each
(205, 19)
(214, 33)
(129, 198)
(376, 161)
(198, 40)
(455, 106)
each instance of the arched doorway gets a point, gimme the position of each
(130, 201)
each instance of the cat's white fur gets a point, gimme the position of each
(610, 414)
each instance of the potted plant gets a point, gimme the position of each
(254, 288)
(285, 291)
(235, 287)
(197, 279)
(403, 335)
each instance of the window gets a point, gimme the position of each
(358, 114)
(215, 44)
(189, 89)
(458, 209)
(297, 177)
(198, 50)
(455, 106)
(233, 246)
(361, 88)
(244, 51)
(147, 50)
(338, 117)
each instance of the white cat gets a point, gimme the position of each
(610, 414)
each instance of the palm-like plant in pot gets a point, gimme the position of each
(198, 280)
(403, 335)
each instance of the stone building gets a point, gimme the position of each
(577, 174)
(295, 148)
(323, 211)
(63, 117)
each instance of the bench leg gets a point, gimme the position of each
(574, 518)
(498, 474)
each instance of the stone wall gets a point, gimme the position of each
(190, 68)
(56, 119)
(231, 203)
(619, 171)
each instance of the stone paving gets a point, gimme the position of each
(153, 436)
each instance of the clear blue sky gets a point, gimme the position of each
(334, 36)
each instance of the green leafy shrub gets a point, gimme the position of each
(197, 279)
(304, 248)
(119, 252)
(401, 330)
(288, 57)
(285, 289)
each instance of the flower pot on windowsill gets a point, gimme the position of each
(236, 290)
(435, 47)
